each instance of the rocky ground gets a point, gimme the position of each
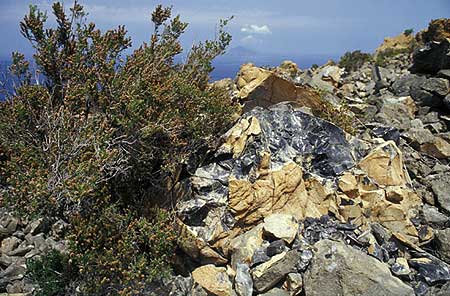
(292, 204)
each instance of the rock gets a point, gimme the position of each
(446, 101)
(337, 269)
(263, 88)
(9, 224)
(276, 247)
(438, 86)
(37, 226)
(432, 58)
(243, 283)
(443, 244)
(275, 292)
(293, 284)
(268, 274)
(441, 188)
(289, 67)
(9, 244)
(401, 42)
(213, 279)
(385, 165)
(281, 226)
(438, 30)
(196, 247)
(431, 269)
(438, 148)
(243, 247)
(405, 84)
(400, 267)
(433, 216)
(397, 112)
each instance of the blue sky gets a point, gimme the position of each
(297, 27)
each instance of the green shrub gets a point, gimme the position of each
(408, 32)
(383, 57)
(352, 61)
(104, 138)
(52, 273)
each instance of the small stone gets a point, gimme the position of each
(276, 247)
(213, 279)
(441, 188)
(275, 292)
(9, 244)
(293, 284)
(433, 216)
(281, 226)
(400, 267)
(268, 274)
(243, 283)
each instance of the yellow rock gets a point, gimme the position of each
(213, 279)
(261, 87)
(196, 247)
(397, 43)
(236, 138)
(385, 165)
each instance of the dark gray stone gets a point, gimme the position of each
(276, 247)
(438, 86)
(431, 269)
(441, 188)
(432, 58)
(276, 272)
(443, 244)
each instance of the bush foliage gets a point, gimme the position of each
(103, 138)
(352, 61)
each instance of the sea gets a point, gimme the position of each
(224, 67)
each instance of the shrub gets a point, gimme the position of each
(352, 61)
(408, 32)
(102, 141)
(52, 273)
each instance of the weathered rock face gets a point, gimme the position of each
(337, 269)
(213, 279)
(263, 88)
(397, 43)
(432, 58)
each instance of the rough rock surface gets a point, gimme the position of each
(337, 269)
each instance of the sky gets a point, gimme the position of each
(291, 27)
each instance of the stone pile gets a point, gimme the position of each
(290, 204)
(23, 240)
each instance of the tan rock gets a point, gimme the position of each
(281, 226)
(289, 67)
(278, 191)
(348, 184)
(384, 165)
(397, 43)
(438, 148)
(237, 137)
(213, 279)
(260, 87)
(196, 247)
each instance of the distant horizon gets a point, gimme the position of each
(292, 28)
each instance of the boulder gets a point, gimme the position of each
(438, 30)
(384, 165)
(213, 279)
(281, 226)
(244, 246)
(293, 284)
(261, 87)
(432, 58)
(337, 269)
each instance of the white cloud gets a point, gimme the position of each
(255, 29)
